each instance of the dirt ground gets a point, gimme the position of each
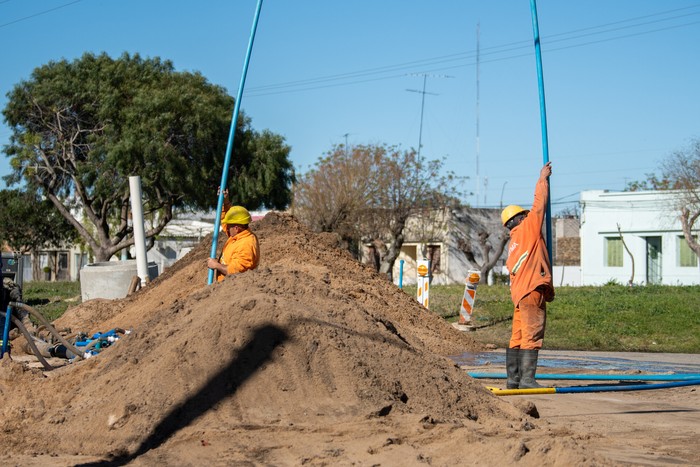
(312, 359)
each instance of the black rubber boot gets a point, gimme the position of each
(528, 367)
(513, 368)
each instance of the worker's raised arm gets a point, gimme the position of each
(227, 202)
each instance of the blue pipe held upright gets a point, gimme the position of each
(543, 118)
(229, 145)
(6, 331)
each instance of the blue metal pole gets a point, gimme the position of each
(6, 331)
(543, 118)
(401, 274)
(229, 146)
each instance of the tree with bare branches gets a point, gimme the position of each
(367, 194)
(680, 172)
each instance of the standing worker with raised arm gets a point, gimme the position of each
(530, 284)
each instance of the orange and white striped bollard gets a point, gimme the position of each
(465, 312)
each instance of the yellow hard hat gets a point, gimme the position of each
(510, 212)
(237, 215)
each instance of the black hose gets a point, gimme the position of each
(30, 341)
(50, 328)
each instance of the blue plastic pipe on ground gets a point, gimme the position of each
(594, 377)
(581, 389)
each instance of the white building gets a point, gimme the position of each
(634, 237)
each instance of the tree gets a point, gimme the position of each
(407, 184)
(680, 172)
(28, 223)
(81, 128)
(368, 194)
(490, 250)
(332, 196)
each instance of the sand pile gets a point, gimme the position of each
(311, 359)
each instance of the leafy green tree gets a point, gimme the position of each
(28, 223)
(680, 172)
(81, 128)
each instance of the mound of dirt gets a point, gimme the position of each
(312, 359)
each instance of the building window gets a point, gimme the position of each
(686, 257)
(613, 252)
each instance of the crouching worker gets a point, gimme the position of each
(530, 285)
(242, 250)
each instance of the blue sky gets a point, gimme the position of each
(620, 77)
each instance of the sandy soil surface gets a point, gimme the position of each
(312, 359)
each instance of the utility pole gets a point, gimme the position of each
(422, 105)
(503, 188)
(478, 149)
(486, 186)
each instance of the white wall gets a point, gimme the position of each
(566, 275)
(640, 215)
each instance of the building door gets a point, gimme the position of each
(62, 272)
(653, 260)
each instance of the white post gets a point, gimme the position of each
(139, 233)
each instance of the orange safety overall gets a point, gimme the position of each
(240, 253)
(530, 275)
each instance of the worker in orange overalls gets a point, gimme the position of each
(241, 251)
(530, 284)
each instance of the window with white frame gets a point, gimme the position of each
(686, 257)
(613, 252)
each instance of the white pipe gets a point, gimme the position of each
(139, 232)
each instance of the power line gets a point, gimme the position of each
(368, 75)
(40, 13)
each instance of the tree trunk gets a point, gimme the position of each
(386, 263)
(687, 222)
(490, 262)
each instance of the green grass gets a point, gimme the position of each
(607, 318)
(51, 299)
